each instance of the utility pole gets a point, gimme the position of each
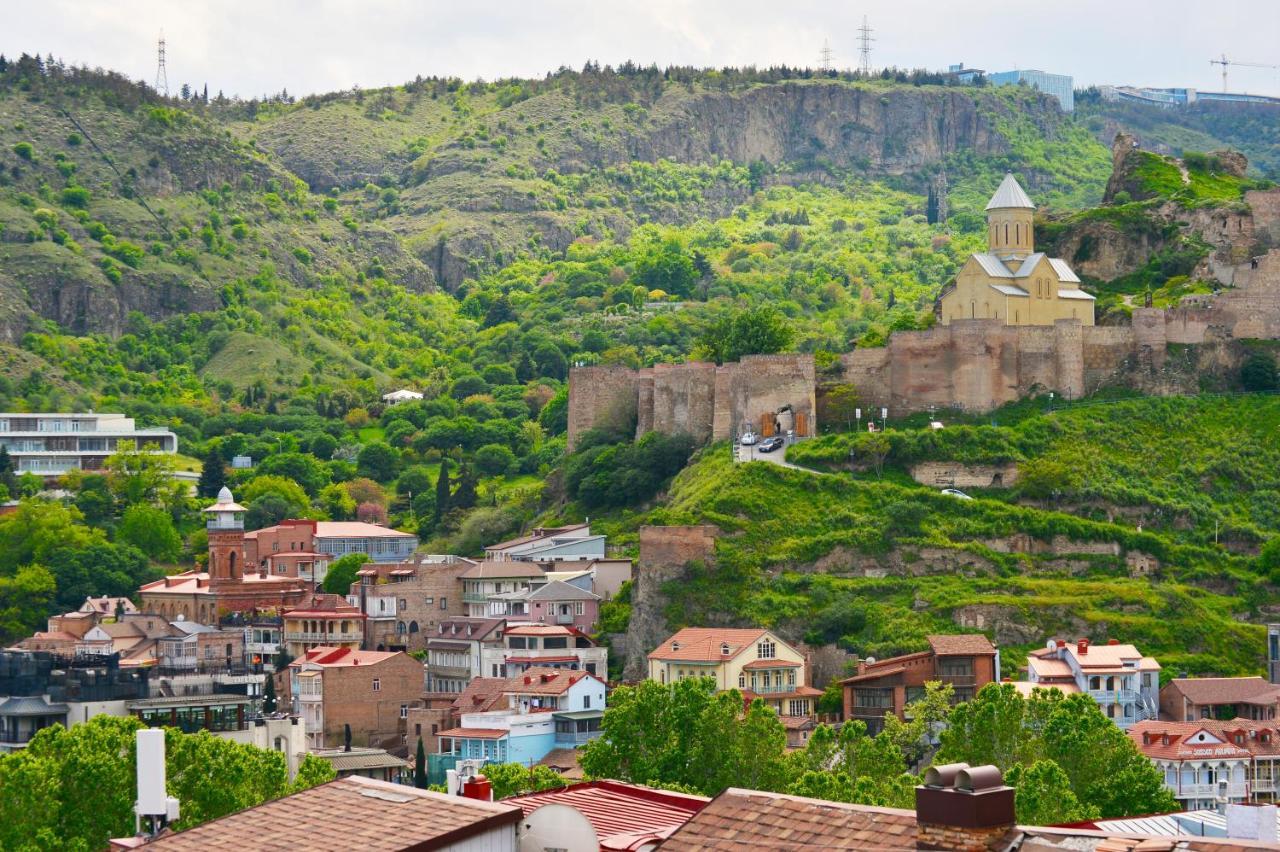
(162, 78)
(864, 51)
(825, 55)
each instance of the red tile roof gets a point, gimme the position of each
(623, 815)
(749, 819)
(356, 529)
(481, 694)
(327, 655)
(500, 568)
(961, 644)
(1182, 743)
(475, 733)
(704, 643)
(545, 681)
(350, 813)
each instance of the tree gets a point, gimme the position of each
(336, 502)
(757, 330)
(269, 701)
(269, 510)
(1258, 373)
(841, 403)
(342, 573)
(24, 601)
(1043, 795)
(114, 569)
(550, 361)
(93, 498)
(284, 487)
(302, 468)
(665, 266)
(514, 779)
(465, 496)
(8, 476)
(420, 767)
(442, 490)
(874, 447)
(499, 312)
(554, 416)
(378, 461)
(150, 530)
(213, 475)
(926, 718)
(494, 459)
(312, 772)
(144, 476)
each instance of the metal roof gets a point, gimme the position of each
(1010, 194)
(623, 815)
(992, 265)
(30, 705)
(1074, 294)
(344, 761)
(578, 714)
(1010, 290)
(1064, 271)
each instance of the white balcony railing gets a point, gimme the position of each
(1235, 790)
(306, 636)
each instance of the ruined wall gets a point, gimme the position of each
(665, 553)
(956, 475)
(698, 398)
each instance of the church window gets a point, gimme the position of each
(1017, 317)
(973, 310)
(1006, 233)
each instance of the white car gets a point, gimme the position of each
(955, 492)
(749, 438)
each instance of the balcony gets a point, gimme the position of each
(449, 672)
(323, 638)
(1235, 790)
(1115, 696)
(772, 690)
(474, 597)
(959, 679)
(564, 619)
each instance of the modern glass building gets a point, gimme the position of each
(1058, 85)
(52, 444)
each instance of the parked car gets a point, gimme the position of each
(955, 492)
(768, 445)
(749, 438)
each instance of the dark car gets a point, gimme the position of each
(768, 445)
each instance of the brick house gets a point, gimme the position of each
(966, 661)
(304, 548)
(406, 601)
(372, 691)
(322, 621)
(1190, 699)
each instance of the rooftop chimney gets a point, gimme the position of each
(962, 809)
(1062, 643)
(1082, 647)
(1113, 641)
(477, 788)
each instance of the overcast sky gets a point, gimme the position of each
(252, 47)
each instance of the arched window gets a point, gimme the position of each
(400, 627)
(413, 627)
(1006, 233)
(973, 310)
(231, 564)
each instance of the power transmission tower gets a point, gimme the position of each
(825, 55)
(162, 78)
(864, 52)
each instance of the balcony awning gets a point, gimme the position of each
(578, 714)
(30, 705)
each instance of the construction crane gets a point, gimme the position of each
(1224, 62)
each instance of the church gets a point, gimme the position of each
(1011, 281)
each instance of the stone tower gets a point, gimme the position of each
(226, 539)
(1009, 221)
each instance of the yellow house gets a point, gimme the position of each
(1011, 281)
(753, 660)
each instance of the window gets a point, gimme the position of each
(495, 670)
(417, 729)
(430, 601)
(742, 681)
(766, 650)
(444, 603)
(580, 608)
(404, 711)
(586, 702)
(377, 685)
(404, 604)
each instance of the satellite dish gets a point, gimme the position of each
(556, 826)
(1051, 645)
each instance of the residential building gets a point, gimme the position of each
(492, 577)
(39, 689)
(217, 713)
(544, 645)
(964, 76)
(107, 607)
(406, 601)
(545, 709)
(556, 602)
(1011, 281)
(304, 548)
(966, 661)
(371, 691)
(262, 636)
(752, 660)
(1125, 684)
(322, 621)
(376, 763)
(602, 576)
(50, 444)
(625, 816)
(1058, 85)
(1187, 699)
(133, 637)
(358, 813)
(456, 653)
(1181, 96)
(573, 543)
(1205, 760)
(193, 647)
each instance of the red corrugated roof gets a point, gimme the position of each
(474, 733)
(622, 814)
(536, 660)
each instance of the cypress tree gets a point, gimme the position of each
(420, 767)
(442, 490)
(269, 696)
(7, 477)
(213, 475)
(465, 496)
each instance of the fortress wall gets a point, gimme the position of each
(644, 402)
(1149, 338)
(684, 398)
(1069, 339)
(1036, 348)
(984, 364)
(1188, 325)
(599, 395)
(1253, 311)
(869, 371)
(762, 384)
(1106, 349)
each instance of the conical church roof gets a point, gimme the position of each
(1010, 194)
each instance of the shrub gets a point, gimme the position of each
(76, 196)
(1258, 373)
(494, 459)
(74, 139)
(24, 150)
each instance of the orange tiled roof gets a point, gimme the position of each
(704, 643)
(1226, 690)
(544, 681)
(328, 655)
(960, 644)
(475, 733)
(481, 694)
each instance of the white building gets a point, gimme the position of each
(573, 543)
(545, 646)
(402, 395)
(51, 444)
(1125, 684)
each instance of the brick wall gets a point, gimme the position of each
(600, 396)
(350, 699)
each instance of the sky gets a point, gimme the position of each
(254, 47)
